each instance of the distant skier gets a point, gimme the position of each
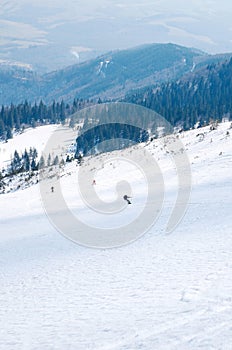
(52, 189)
(126, 198)
(94, 182)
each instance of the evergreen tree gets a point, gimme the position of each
(9, 134)
(34, 153)
(2, 129)
(49, 160)
(34, 165)
(26, 161)
(62, 112)
(62, 162)
(56, 160)
(41, 162)
(16, 163)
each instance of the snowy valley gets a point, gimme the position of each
(162, 291)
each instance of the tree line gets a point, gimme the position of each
(28, 162)
(18, 117)
(108, 137)
(197, 99)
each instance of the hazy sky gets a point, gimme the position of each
(102, 25)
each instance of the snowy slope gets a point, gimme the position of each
(29, 138)
(160, 292)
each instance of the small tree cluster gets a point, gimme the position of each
(50, 162)
(25, 162)
(28, 162)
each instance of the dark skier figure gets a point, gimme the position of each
(52, 189)
(126, 198)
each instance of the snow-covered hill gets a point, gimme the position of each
(30, 138)
(160, 292)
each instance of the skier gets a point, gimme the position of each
(94, 182)
(52, 189)
(126, 198)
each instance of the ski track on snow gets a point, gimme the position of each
(161, 292)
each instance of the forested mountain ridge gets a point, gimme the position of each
(201, 94)
(113, 74)
(196, 98)
(110, 76)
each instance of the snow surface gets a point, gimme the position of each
(160, 292)
(35, 138)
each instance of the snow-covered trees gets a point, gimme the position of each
(28, 161)
(16, 117)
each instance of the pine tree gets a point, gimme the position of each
(34, 165)
(62, 112)
(49, 160)
(17, 120)
(62, 162)
(34, 153)
(2, 129)
(56, 160)
(41, 162)
(16, 163)
(9, 134)
(26, 161)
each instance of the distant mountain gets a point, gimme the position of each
(17, 82)
(110, 76)
(54, 34)
(114, 74)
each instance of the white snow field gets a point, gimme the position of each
(161, 292)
